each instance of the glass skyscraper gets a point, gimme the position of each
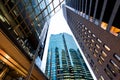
(23, 29)
(64, 61)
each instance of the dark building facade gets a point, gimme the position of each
(95, 25)
(64, 61)
(23, 28)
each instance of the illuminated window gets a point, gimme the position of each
(97, 46)
(89, 31)
(83, 25)
(117, 57)
(115, 30)
(101, 78)
(100, 61)
(90, 49)
(88, 36)
(93, 35)
(96, 50)
(91, 45)
(2, 18)
(99, 40)
(106, 47)
(104, 54)
(104, 25)
(85, 28)
(101, 58)
(92, 40)
(94, 54)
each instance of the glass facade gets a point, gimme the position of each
(64, 60)
(25, 23)
(26, 20)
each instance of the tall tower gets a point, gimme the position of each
(64, 61)
(95, 25)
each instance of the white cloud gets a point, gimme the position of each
(58, 24)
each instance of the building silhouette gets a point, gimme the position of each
(23, 29)
(95, 25)
(64, 61)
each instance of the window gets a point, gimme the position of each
(85, 28)
(93, 35)
(92, 61)
(117, 57)
(90, 48)
(2, 18)
(83, 25)
(15, 11)
(111, 70)
(91, 45)
(89, 31)
(104, 54)
(82, 30)
(96, 50)
(115, 65)
(108, 74)
(88, 36)
(101, 78)
(106, 47)
(99, 40)
(42, 5)
(96, 69)
(95, 55)
(101, 58)
(97, 46)
(92, 40)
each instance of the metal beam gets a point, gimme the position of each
(115, 9)
(90, 9)
(102, 13)
(85, 8)
(96, 4)
(33, 62)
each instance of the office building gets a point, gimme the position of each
(96, 27)
(23, 29)
(64, 61)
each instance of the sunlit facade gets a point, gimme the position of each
(96, 27)
(23, 29)
(64, 61)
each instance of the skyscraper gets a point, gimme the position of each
(95, 25)
(23, 29)
(64, 60)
